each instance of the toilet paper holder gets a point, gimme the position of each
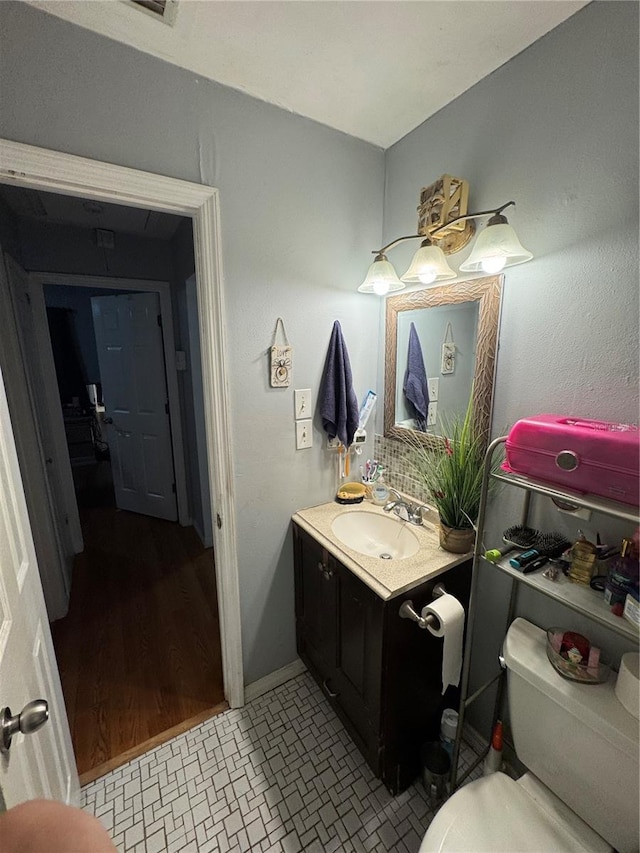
(407, 611)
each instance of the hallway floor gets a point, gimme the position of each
(139, 651)
(278, 776)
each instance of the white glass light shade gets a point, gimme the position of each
(495, 248)
(381, 278)
(429, 265)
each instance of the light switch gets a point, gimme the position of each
(304, 434)
(432, 414)
(432, 385)
(302, 403)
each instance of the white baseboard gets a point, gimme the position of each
(274, 679)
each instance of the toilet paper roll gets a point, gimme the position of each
(450, 615)
(628, 684)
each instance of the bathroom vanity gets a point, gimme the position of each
(380, 672)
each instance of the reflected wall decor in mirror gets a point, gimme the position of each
(453, 331)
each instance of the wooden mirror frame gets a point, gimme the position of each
(487, 293)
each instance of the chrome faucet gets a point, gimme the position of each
(405, 510)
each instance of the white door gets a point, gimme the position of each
(40, 764)
(134, 390)
(54, 571)
(35, 341)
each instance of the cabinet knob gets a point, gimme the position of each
(326, 571)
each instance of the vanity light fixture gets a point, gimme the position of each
(496, 247)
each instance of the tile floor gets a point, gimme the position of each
(279, 775)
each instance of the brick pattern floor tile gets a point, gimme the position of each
(280, 775)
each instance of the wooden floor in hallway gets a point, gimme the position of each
(139, 651)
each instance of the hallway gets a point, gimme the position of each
(139, 651)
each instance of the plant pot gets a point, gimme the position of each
(456, 540)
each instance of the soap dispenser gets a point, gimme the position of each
(379, 492)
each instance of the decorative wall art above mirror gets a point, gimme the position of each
(453, 331)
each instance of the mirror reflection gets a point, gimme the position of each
(440, 349)
(438, 343)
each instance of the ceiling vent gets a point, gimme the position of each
(164, 10)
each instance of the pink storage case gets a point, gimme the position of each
(588, 456)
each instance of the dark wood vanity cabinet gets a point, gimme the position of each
(381, 673)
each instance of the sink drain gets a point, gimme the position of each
(386, 557)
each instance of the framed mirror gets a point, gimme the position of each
(456, 326)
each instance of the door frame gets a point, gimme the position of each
(52, 171)
(163, 289)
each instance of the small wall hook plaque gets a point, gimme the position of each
(448, 364)
(281, 357)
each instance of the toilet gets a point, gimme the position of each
(580, 746)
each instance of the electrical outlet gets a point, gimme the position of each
(333, 443)
(432, 385)
(304, 434)
(302, 403)
(432, 414)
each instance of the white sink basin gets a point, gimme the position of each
(376, 535)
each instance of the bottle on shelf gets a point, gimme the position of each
(583, 558)
(622, 578)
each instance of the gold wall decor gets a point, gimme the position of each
(440, 202)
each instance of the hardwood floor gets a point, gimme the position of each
(139, 651)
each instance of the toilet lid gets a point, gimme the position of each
(496, 814)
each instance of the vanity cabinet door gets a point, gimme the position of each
(315, 605)
(359, 653)
(359, 660)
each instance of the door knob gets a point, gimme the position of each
(107, 420)
(32, 717)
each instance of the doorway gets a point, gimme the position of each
(25, 166)
(139, 649)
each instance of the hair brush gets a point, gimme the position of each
(549, 545)
(518, 536)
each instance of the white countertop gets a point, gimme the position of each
(387, 578)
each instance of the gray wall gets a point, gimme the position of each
(301, 209)
(556, 129)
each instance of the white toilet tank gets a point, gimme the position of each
(578, 739)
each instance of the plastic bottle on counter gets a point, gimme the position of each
(379, 492)
(493, 759)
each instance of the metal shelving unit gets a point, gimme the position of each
(577, 597)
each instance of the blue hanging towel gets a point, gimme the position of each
(338, 402)
(415, 385)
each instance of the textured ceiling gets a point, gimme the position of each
(371, 68)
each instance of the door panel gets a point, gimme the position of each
(131, 358)
(57, 468)
(54, 571)
(359, 653)
(40, 764)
